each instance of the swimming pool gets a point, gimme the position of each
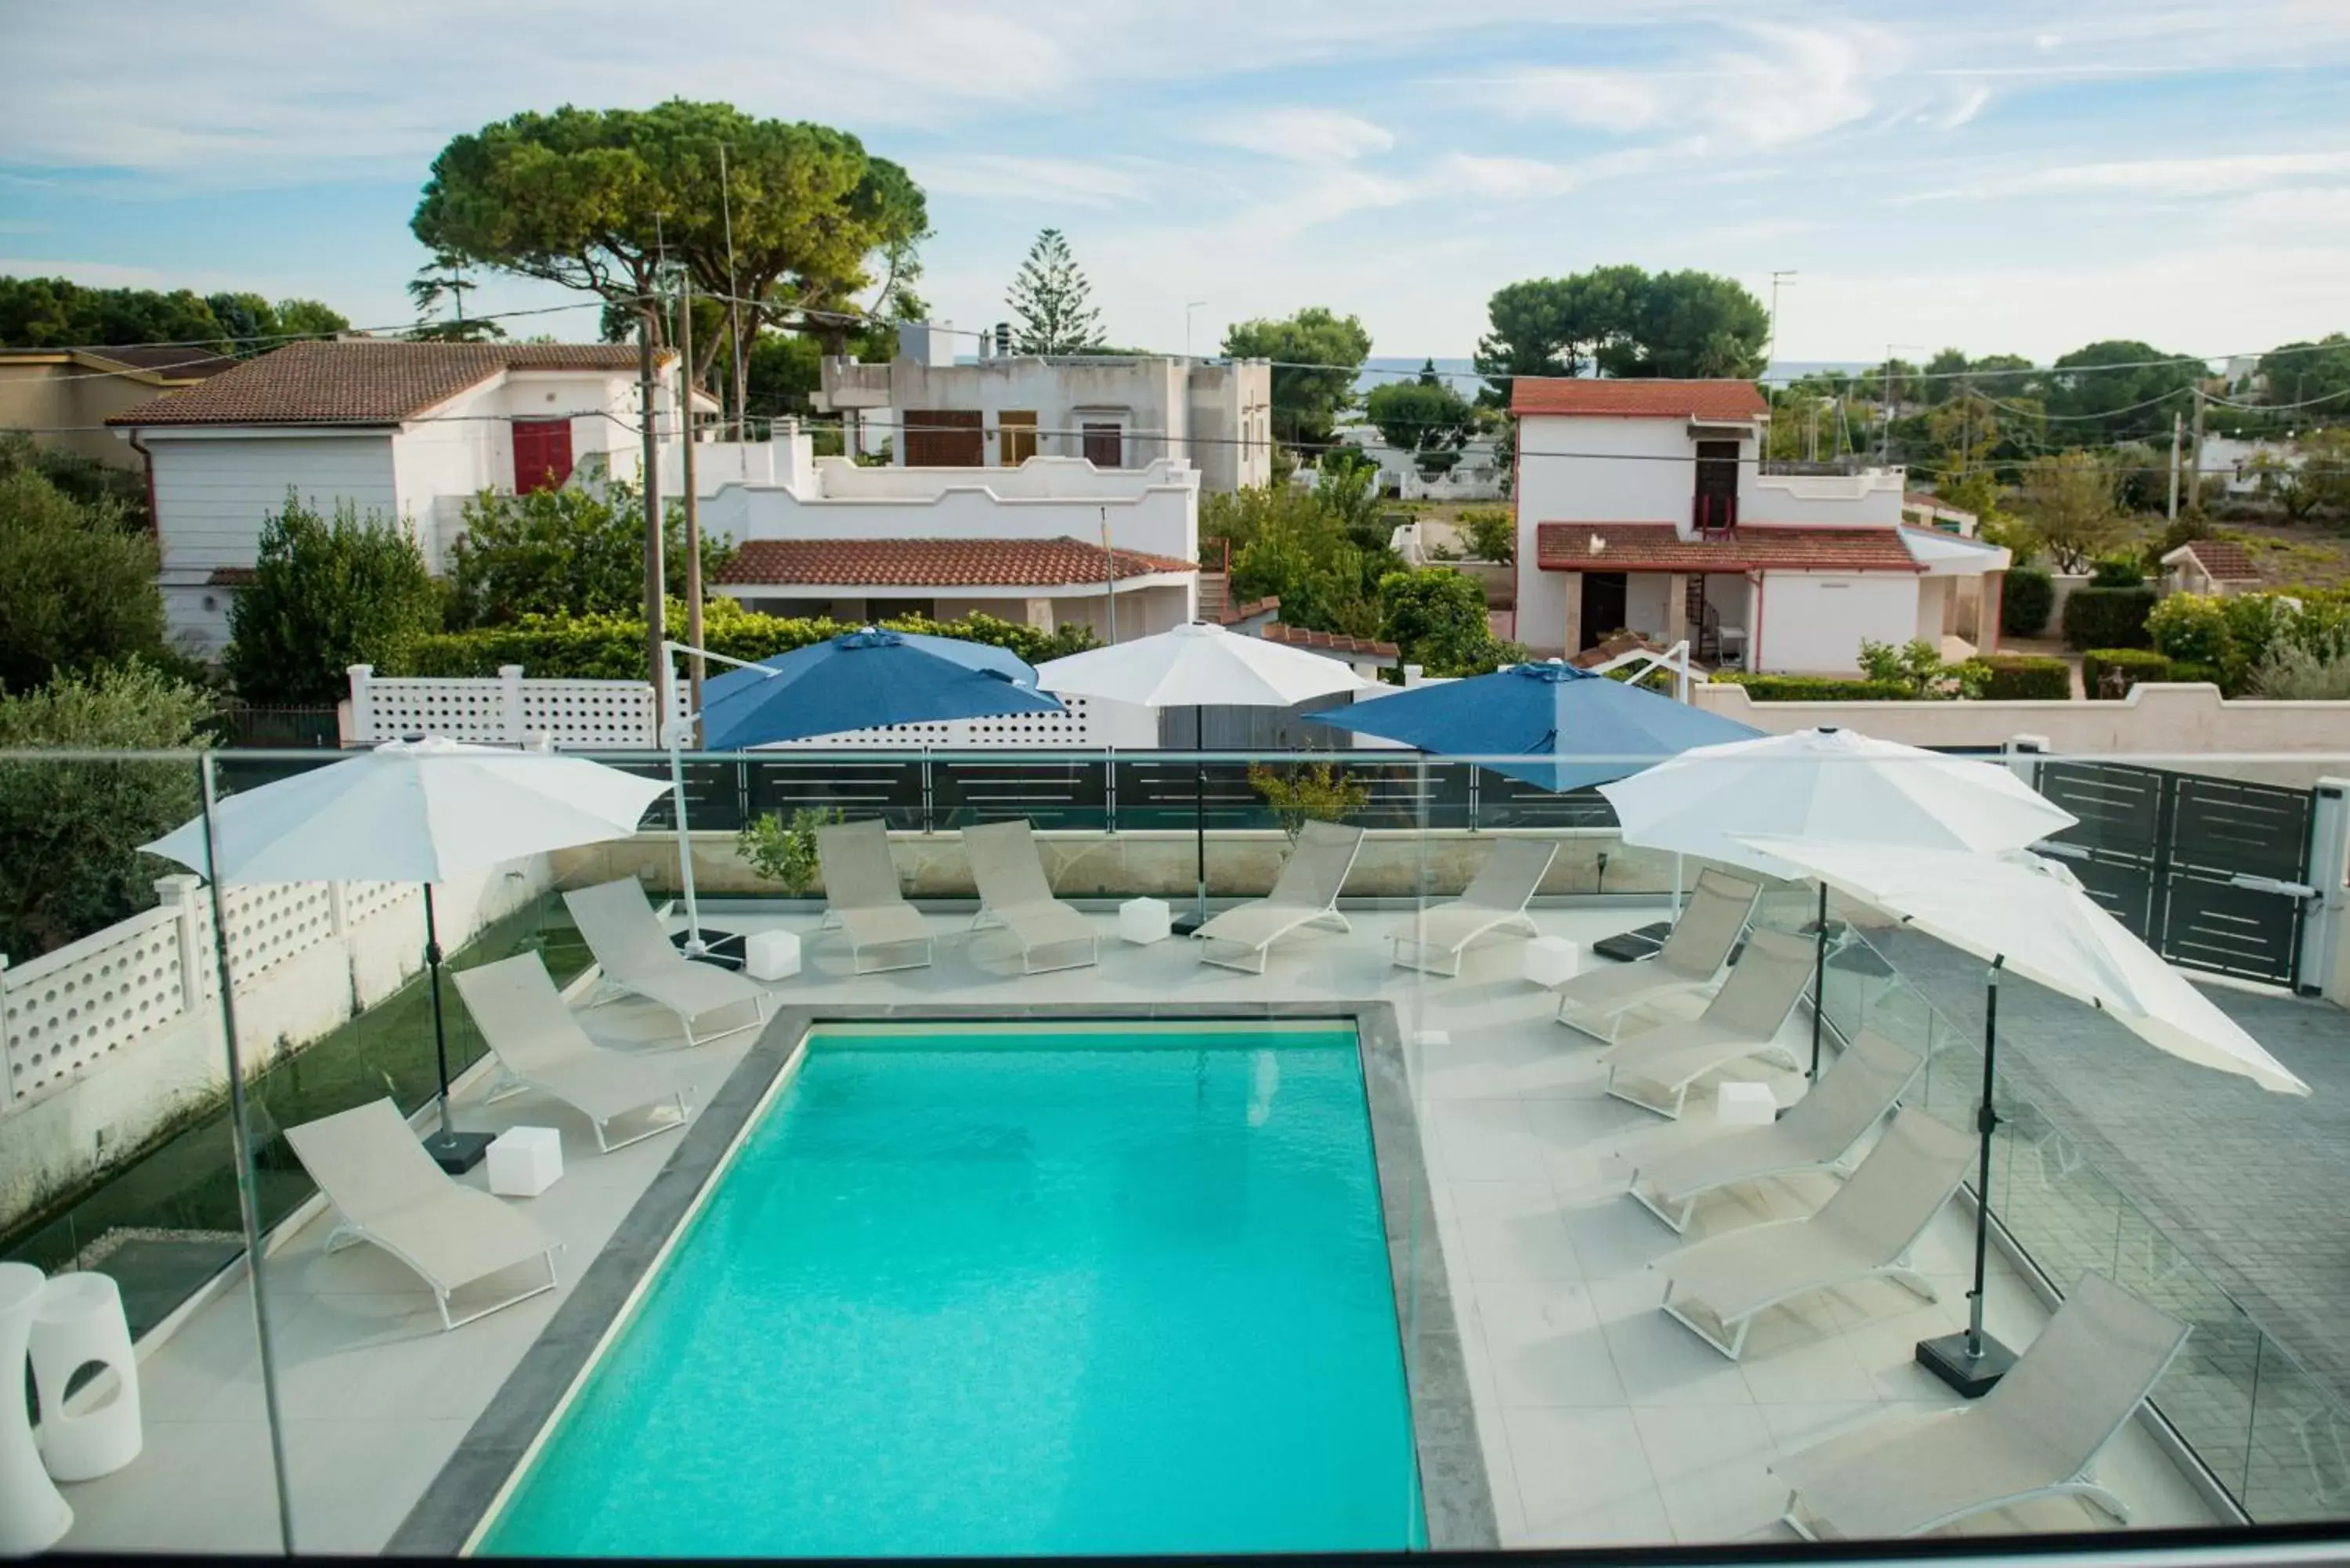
(973, 1290)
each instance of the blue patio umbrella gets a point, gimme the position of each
(854, 682)
(1565, 728)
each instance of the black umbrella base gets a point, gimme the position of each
(1629, 947)
(721, 950)
(1184, 924)
(457, 1152)
(1971, 1376)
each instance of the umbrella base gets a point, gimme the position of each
(457, 1152)
(1971, 1376)
(1184, 924)
(1626, 947)
(721, 950)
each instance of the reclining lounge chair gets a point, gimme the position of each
(1815, 1134)
(1655, 1068)
(386, 1190)
(862, 896)
(637, 958)
(1305, 894)
(1865, 1231)
(540, 1046)
(1596, 1001)
(1494, 900)
(1014, 893)
(2036, 1434)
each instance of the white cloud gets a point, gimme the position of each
(1065, 180)
(1304, 135)
(1968, 105)
(2220, 175)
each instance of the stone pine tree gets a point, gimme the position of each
(1053, 300)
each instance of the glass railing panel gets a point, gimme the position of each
(2297, 1464)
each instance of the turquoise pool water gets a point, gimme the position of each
(975, 1292)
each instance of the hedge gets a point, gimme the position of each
(2126, 667)
(1816, 689)
(2029, 594)
(612, 647)
(2109, 618)
(2026, 677)
(2185, 672)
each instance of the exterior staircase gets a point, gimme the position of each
(1215, 579)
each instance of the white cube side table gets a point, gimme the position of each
(771, 955)
(1145, 921)
(79, 1320)
(526, 1161)
(1552, 960)
(1741, 1103)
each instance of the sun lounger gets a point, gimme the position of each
(1816, 1134)
(539, 1046)
(1655, 1068)
(1014, 893)
(1305, 894)
(863, 899)
(2036, 1434)
(1596, 1001)
(386, 1190)
(1865, 1231)
(1495, 899)
(637, 958)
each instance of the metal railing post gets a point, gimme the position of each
(929, 804)
(2325, 942)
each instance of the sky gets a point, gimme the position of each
(2001, 176)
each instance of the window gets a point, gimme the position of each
(1717, 485)
(944, 438)
(1105, 445)
(1015, 436)
(542, 454)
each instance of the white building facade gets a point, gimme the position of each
(1115, 411)
(1643, 506)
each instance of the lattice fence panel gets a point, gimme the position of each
(590, 715)
(67, 1011)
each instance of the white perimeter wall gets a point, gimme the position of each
(1813, 624)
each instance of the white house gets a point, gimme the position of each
(1477, 475)
(406, 431)
(1052, 542)
(1114, 410)
(1644, 505)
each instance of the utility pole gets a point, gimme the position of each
(694, 665)
(1109, 576)
(656, 628)
(1777, 279)
(733, 305)
(2178, 428)
(2195, 474)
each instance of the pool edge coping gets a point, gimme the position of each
(1455, 1497)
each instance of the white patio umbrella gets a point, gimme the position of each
(1200, 665)
(1825, 783)
(411, 811)
(2029, 916)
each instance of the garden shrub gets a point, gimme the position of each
(2116, 572)
(2027, 677)
(2188, 673)
(2110, 672)
(2107, 618)
(2191, 628)
(2025, 601)
(1816, 689)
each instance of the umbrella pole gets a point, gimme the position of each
(1185, 924)
(693, 943)
(1973, 1363)
(452, 1150)
(1819, 979)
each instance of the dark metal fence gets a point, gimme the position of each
(246, 726)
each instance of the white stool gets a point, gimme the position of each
(1145, 921)
(526, 1161)
(1741, 1103)
(33, 1517)
(1552, 960)
(79, 1320)
(771, 955)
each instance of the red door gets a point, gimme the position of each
(542, 454)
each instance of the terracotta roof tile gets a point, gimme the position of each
(1636, 398)
(1236, 614)
(361, 381)
(1327, 641)
(2223, 560)
(934, 563)
(232, 578)
(1659, 547)
(155, 362)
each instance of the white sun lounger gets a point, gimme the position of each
(539, 1046)
(1865, 1231)
(1494, 900)
(1305, 894)
(2036, 1434)
(1655, 1068)
(1014, 893)
(637, 958)
(386, 1190)
(863, 899)
(1816, 1134)
(1596, 1001)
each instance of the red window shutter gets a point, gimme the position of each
(542, 454)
